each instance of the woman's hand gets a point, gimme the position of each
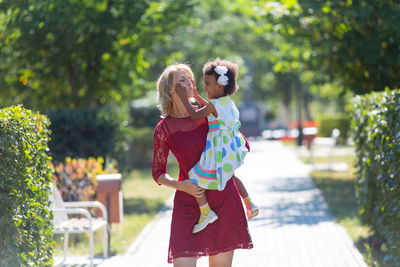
(189, 187)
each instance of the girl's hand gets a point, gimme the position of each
(189, 187)
(180, 90)
(195, 92)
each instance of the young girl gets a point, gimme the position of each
(225, 146)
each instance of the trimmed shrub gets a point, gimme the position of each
(25, 175)
(144, 119)
(141, 151)
(89, 132)
(326, 123)
(145, 116)
(376, 123)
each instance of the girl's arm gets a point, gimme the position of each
(201, 101)
(194, 114)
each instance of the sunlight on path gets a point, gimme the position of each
(294, 227)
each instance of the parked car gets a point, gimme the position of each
(274, 132)
(309, 129)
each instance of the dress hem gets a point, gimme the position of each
(198, 254)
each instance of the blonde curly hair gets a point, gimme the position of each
(164, 86)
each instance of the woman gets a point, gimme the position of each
(186, 139)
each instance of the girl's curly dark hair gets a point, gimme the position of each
(231, 87)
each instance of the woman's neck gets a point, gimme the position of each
(178, 109)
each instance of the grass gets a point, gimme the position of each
(142, 199)
(289, 142)
(338, 189)
(349, 159)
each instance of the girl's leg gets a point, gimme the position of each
(202, 200)
(240, 186)
(221, 259)
(185, 262)
(207, 215)
(251, 208)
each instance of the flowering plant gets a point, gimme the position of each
(76, 178)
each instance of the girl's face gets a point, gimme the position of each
(212, 88)
(184, 79)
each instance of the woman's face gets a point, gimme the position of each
(184, 79)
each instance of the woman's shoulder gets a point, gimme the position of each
(160, 125)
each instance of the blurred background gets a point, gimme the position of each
(91, 66)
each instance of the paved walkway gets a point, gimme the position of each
(294, 227)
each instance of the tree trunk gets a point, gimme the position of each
(306, 107)
(286, 114)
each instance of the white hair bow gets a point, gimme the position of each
(221, 71)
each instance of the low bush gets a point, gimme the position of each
(145, 116)
(76, 178)
(90, 132)
(25, 176)
(376, 125)
(141, 151)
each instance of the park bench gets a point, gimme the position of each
(325, 143)
(85, 223)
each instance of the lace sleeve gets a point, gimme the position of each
(160, 152)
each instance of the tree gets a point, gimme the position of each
(219, 29)
(355, 42)
(81, 53)
(237, 31)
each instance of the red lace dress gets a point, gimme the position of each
(186, 139)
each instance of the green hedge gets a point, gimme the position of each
(89, 132)
(326, 123)
(79, 133)
(145, 116)
(141, 151)
(108, 132)
(376, 123)
(144, 119)
(25, 175)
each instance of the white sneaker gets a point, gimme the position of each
(210, 218)
(251, 211)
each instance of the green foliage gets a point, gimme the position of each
(141, 151)
(355, 42)
(89, 132)
(219, 29)
(376, 123)
(326, 123)
(270, 65)
(145, 116)
(25, 175)
(86, 53)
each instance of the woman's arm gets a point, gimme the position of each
(159, 167)
(194, 114)
(186, 186)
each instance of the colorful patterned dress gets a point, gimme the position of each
(225, 147)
